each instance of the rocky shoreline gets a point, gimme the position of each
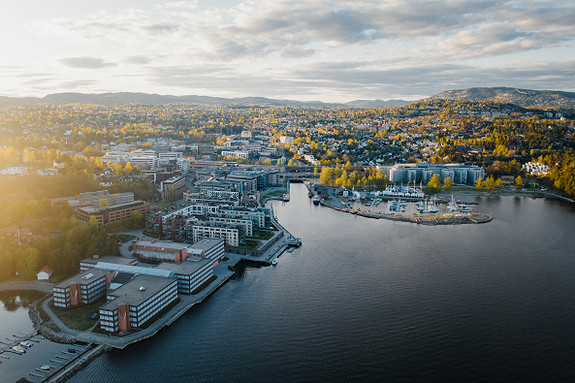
(39, 326)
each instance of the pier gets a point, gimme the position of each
(16, 340)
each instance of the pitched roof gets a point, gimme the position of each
(46, 269)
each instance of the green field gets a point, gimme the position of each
(78, 317)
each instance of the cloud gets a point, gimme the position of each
(263, 28)
(75, 84)
(137, 59)
(366, 48)
(159, 28)
(85, 62)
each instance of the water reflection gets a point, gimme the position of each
(13, 300)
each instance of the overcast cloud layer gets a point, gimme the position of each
(306, 49)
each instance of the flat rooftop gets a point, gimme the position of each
(108, 259)
(203, 244)
(162, 244)
(132, 293)
(207, 243)
(95, 210)
(83, 278)
(188, 267)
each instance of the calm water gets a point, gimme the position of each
(14, 321)
(373, 300)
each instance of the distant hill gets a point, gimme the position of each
(521, 97)
(376, 103)
(157, 99)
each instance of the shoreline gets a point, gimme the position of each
(333, 202)
(225, 271)
(475, 218)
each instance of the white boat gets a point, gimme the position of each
(432, 208)
(293, 241)
(274, 261)
(26, 344)
(19, 349)
(45, 367)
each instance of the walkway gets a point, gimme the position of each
(45, 287)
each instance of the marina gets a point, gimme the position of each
(17, 344)
(46, 373)
(402, 204)
(20, 345)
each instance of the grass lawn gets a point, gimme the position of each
(252, 244)
(264, 235)
(275, 193)
(78, 317)
(53, 327)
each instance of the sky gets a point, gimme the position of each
(331, 51)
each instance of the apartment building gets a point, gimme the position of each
(190, 274)
(232, 235)
(86, 287)
(136, 302)
(111, 213)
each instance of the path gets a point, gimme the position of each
(45, 287)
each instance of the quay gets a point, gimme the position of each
(460, 219)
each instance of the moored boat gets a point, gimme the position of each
(19, 349)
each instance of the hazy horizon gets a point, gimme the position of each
(310, 50)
